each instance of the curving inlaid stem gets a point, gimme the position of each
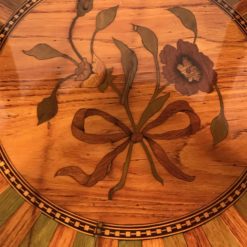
(71, 38)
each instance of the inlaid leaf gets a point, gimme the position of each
(84, 6)
(153, 108)
(47, 109)
(219, 128)
(149, 39)
(105, 18)
(130, 64)
(107, 80)
(43, 51)
(10, 201)
(187, 18)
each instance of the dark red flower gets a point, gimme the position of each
(190, 70)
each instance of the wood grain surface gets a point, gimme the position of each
(3, 184)
(241, 206)
(7, 8)
(18, 226)
(153, 243)
(130, 244)
(10, 201)
(41, 233)
(63, 236)
(236, 224)
(241, 7)
(177, 240)
(224, 237)
(83, 240)
(196, 238)
(103, 242)
(38, 152)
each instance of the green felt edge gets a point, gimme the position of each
(219, 234)
(130, 244)
(241, 206)
(82, 240)
(10, 201)
(41, 233)
(175, 241)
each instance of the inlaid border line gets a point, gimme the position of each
(6, 159)
(90, 227)
(29, 4)
(7, 28)
(183, 224)
(234, 14)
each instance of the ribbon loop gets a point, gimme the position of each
(172, 109)
(78, 127)
(104, 166)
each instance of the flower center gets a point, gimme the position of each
(189, 70)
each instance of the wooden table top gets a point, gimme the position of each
(125, 119)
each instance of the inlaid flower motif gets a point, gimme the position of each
(185, 66)
(188, 68)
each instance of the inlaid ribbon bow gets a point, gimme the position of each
(130, 138)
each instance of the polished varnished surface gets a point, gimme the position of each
(36, 230)
(38, 152)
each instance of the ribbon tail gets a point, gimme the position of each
(152, 165)
(163, 159)
(102, 169)
(121, 183)
(74, 172)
